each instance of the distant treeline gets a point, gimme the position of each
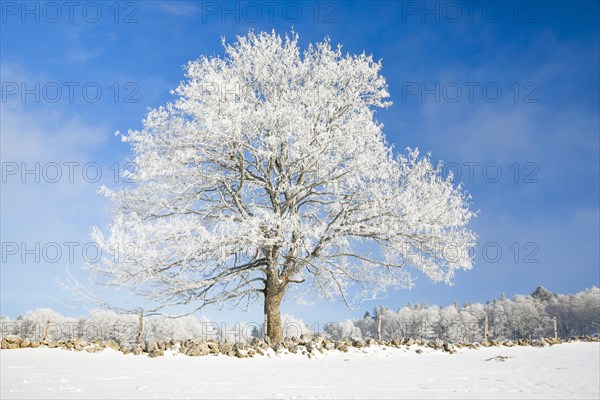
(521, 317)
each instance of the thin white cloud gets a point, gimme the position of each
(179, 8)
(35, 210)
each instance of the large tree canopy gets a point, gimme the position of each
(270, 171)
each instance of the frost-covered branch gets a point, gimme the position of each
(269, 168)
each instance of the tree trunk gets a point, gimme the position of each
(140, 328)
(274, 330)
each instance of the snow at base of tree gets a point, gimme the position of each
(569, 370)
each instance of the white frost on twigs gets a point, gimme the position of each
(270, 164)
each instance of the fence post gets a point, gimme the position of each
(379, 326)
(140, 328)
(555, 328)
(46, 327)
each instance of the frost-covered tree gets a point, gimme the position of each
(109, 325)
(448, 326)
(342, 330)
(44, 323)
(294, 327)
(472, 317)
(269, 171)
(543, 294)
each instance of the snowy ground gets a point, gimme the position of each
(568, 370)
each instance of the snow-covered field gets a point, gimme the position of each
(570, 370)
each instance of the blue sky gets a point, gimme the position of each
(499, 87)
